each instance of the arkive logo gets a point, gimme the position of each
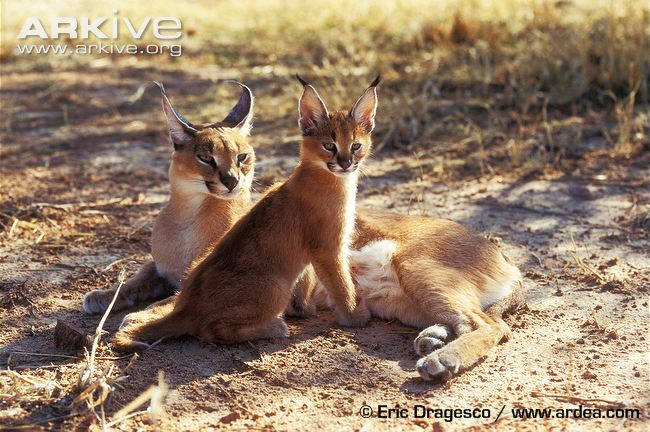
(163, 28)
(40, 36)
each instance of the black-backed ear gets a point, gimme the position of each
(311, 108)
(241, 116)
(180, 129)
(365, 108)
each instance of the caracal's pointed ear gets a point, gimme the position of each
(365, 108)
(180, 129)
(311, 108)
(241, 116)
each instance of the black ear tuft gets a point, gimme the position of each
(365, 108)
(311, 109)
(160, 86)
(376, 82)
(180, 116)
(180, 129)
(241, 115)
(301, 80)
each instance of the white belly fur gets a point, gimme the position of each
(497, 289)
(376, 281)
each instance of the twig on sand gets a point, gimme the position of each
(576, 399)
(27, 353)
(155, 394)
(87, 374)
(27, 367)
(96, 392)
(581, 264)
(492, 202)
(31, 385)
(31, 425)
(110, 266)
(35, 381)
(51, 355)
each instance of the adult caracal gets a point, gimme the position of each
(240, 290)
(210, 174)
(437, 275)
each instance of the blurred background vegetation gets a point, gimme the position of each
(527, 120)
(505, 84)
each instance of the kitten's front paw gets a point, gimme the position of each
(442, 364)
(97, 301)
(430, 339)
(358, 318)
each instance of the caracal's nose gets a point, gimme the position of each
(229, 181)
(345, 163)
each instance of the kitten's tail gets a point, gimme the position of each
(145, 329)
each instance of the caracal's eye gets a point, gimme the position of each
(206, 159)
(330, 146)
(241, 158)
(356, 147)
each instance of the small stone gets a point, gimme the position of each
(229, 418)
(581, 192)
(68, 336)
(589, 376)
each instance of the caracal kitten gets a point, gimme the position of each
(210, 175)
(240, 290)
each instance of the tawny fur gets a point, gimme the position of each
(436, 275)
(428, 273)
(239, 291)
(200, 211)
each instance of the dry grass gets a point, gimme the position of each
(92, 390)
(514, 82)
(583, 266)
(470, 89)
(563, 49)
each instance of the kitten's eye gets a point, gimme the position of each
(208, 160)
(330, 146)
(356, 147)
(241, 158)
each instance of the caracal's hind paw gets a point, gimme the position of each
(430, 339)
(442, 364)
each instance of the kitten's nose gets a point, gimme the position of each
(344, 163)
(229, 181)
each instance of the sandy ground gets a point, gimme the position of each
(86, 191)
